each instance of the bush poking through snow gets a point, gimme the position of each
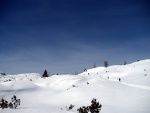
(3, 104)
(13, 104)
(71, 106)
(83, 110)
(74, 86)
(94, 108)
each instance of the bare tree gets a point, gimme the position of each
(125, 62)
(94, 65)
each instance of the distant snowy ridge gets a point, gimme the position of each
(132, 73)
(26, 76)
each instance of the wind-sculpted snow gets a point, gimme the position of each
(53, 94)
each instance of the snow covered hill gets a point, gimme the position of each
(137, 73)
(53, 94)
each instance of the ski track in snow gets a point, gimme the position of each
(132, 85)
(138, 86)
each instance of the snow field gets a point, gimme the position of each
(53, 94)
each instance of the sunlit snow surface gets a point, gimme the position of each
(53, 94)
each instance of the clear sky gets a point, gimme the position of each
(64, 36)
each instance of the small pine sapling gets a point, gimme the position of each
(10, 105)
(3, 104)
(83, 109)
(15, 102)
(95, 106)
(70, 107)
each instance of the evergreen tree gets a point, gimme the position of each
(45, 74)
(106, 63)
(95, 106)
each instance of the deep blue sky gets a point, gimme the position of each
(64, 36)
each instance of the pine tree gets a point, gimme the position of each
(45, 74)
(95, 106)
(106, 63)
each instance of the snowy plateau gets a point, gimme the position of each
(55, 93)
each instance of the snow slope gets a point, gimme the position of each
(53, 94)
